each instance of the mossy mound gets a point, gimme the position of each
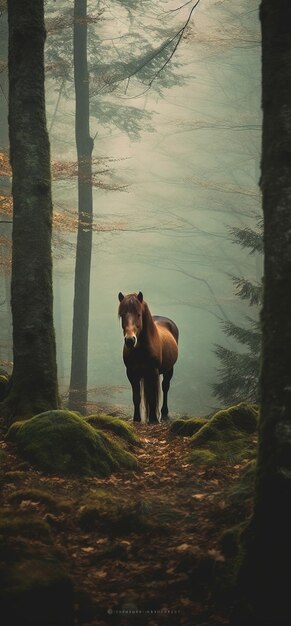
(114, 425)
(187, 426)
(33, 495)
(121, 516)
(228, 436)
(63, 443)
(25, 525)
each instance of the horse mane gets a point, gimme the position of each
(148, 321)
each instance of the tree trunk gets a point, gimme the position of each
(34, 379)
(265, 576)
(79, 363)
(6, 321)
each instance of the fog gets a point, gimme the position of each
(194, 175)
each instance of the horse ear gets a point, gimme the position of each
(120, 296)
(140, 296)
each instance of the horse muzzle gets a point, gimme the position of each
(131, 341)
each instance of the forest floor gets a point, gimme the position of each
(160, 564)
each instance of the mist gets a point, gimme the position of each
(192, 173)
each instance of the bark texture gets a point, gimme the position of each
(34, 380)
(265, 576)
(84, 143)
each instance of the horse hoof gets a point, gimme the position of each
(136, 419)
(165, 418)
(156, 421)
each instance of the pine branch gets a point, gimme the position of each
(248, 238)
(246, 290)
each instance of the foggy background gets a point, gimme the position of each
(185, 183)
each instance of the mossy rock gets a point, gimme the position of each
(203, 457)
(36, 591)
(114, 425)
(121, 516)
(187, 426)
(229, 436)
(63, 443)
(34, 495)
(29, 525)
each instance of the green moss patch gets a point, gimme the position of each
(63, 443)
(23, 524)
(121, 516)
(114, 425)
(187, 426)
(33, 495)
(229, 436)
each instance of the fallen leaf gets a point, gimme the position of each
(216, 555)
(28, 504)
(100, 574)
(183, 547)
(88, 549)
(199, 496)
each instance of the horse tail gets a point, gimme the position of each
(151, 394)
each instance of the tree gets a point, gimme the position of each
(5, 224)
(34, 379)
(264, 582)
(239, 371)
(84, 143)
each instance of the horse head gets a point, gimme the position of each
(130, 311)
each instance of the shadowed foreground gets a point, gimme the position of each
(143, 543)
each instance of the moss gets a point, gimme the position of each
(230, 540)
(240, 495)
(119, 516)
(3, 456)
(202, 457)
(25, 525)
(229, 435)
(33, 495)
(115, 425)
(37, 591)
(187, 427)
(62, 442)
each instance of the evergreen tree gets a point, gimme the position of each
(239, 370)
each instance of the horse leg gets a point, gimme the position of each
(165, 387)
(151, 395)
(136, 395)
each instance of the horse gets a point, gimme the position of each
(150, 349)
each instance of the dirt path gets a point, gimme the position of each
(149, 560)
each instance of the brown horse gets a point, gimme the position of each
(150, 349)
